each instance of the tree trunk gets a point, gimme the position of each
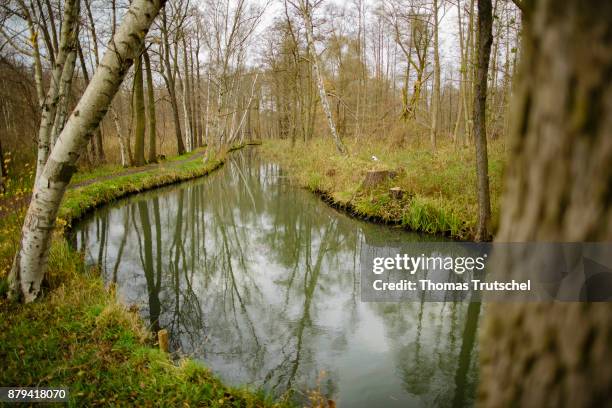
(49, 108)
(2, 169)
(97, 139)
(124, 145)
(305, 12)
(435, 100)
(171, 85)
(485, 38)
(558, 188)
(185, 90)
(30, 262)
(151, 109)
(65, 86)
(139, 114)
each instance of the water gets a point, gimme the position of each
(260, 281)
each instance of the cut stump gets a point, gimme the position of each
(375, 177)
(396, 193)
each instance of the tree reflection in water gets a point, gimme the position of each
(260, 280)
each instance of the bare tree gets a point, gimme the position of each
(305, 9)
(30, 264)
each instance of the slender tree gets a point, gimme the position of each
(485, 38)
(435, 101)
(305, 9)
(139, 114)
(58, 76)
(152, 155)
(30, 263)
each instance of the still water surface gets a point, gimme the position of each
(260, 280)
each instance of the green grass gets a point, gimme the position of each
(80, 200)
(78, 336)
(440, 188)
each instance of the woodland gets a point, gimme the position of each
(472, 120)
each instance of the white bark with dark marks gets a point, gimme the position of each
(30, 262)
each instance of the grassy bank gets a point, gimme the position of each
(78, 336)
(440, 195)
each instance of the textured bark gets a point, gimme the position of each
(139, 114)
(65, 86)
(558, 188)
(485, 38)
(30, 262)
(151, 109)
(50, 105)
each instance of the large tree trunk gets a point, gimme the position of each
(485, 38)
(558, 188)
(30, 262)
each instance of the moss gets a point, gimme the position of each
(77, 335)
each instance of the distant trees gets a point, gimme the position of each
(383, 71)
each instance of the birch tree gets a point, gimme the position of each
(30, 263)
(305, 9)
(59, 75)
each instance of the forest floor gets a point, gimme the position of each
(78, 335)
(439, 189)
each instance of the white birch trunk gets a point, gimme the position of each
(124, 145)
(62, 100)
(30, 262)
(315, 66)
(49, 108)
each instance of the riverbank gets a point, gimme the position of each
(439, 189)
(79, 336)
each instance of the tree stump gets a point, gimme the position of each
(375, 177)
(396, 193)
(162, 338)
